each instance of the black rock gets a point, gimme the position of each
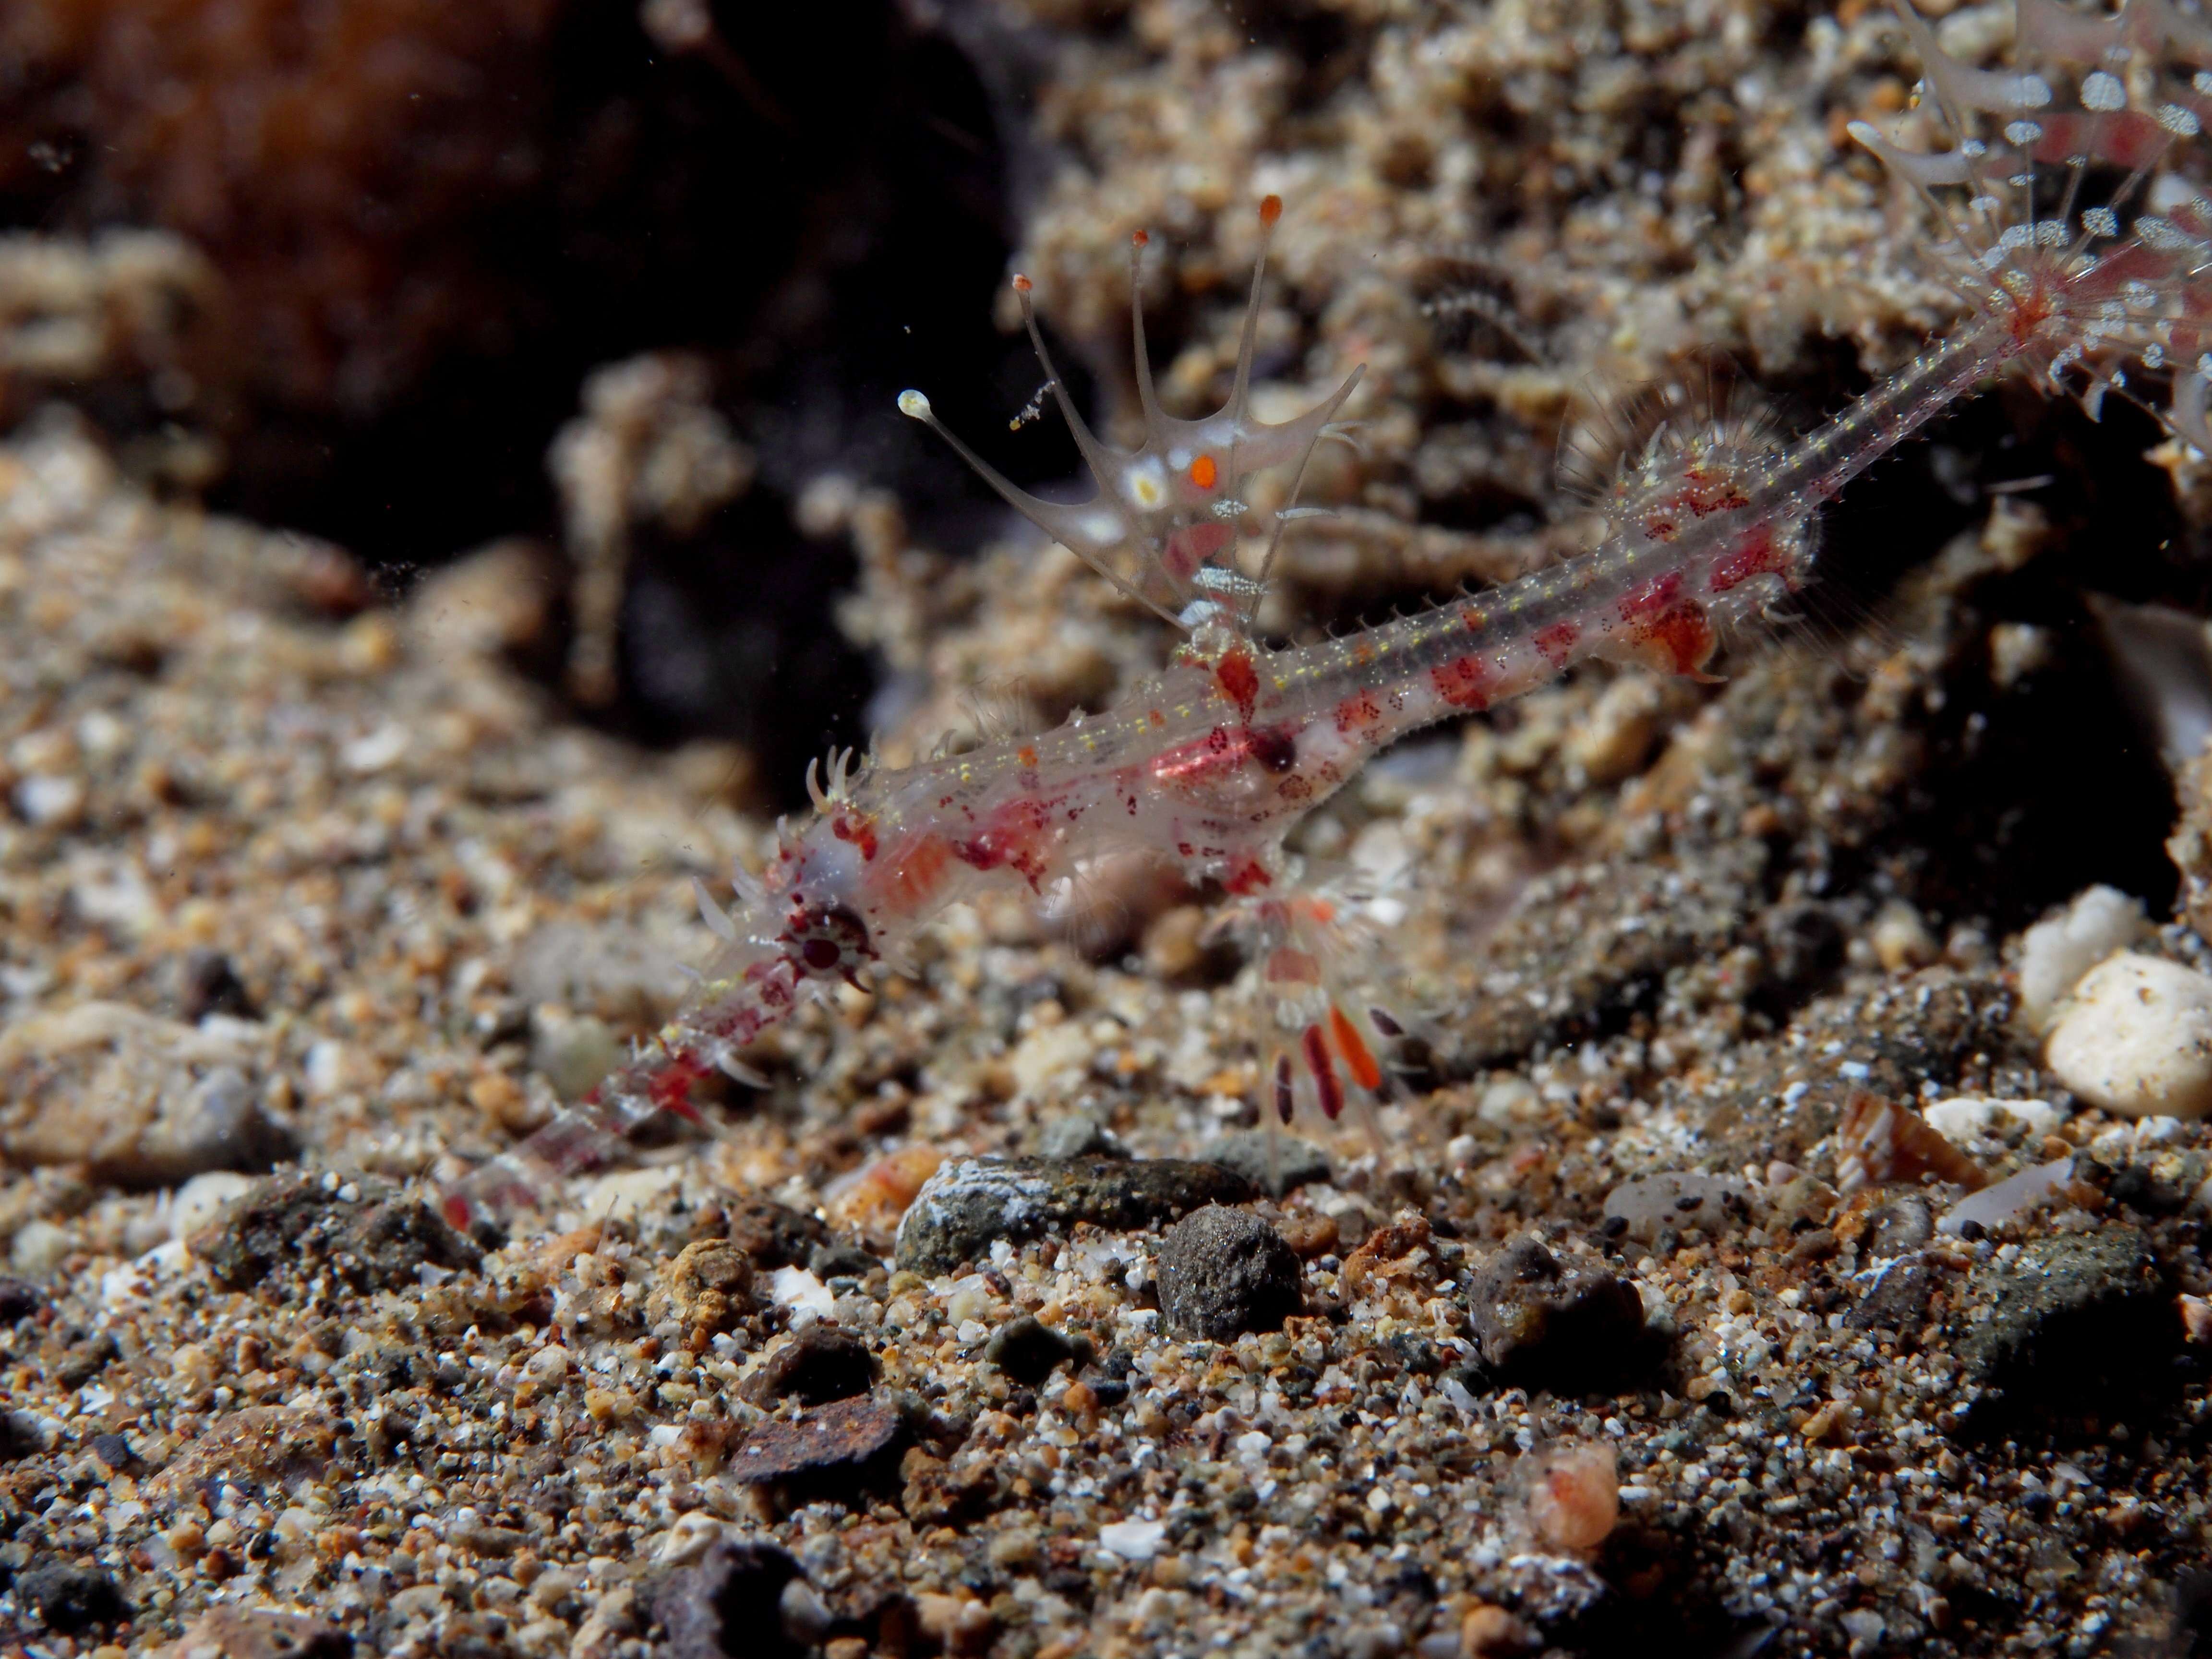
(72, 1599)
(19, 1299)
(1223, 1273)
(841, 1261)
(823, 1362)
(774, 1235)
(969, 1204)
(2079, 1324)
(18, 1436)
(1028, 1350)
(1272, 1163)
(728, 1605)
(1541, 1323)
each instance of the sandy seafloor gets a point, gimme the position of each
(348, 897)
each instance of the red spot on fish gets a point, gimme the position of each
(1755, 555)
(1157, 718)
(1358, 710)
(671, 1087)
(1652, 597)
(1204, 473)
(1553, 643)
(1238, 680)
(1013, 837)
(1250, 876)
(1325, 1082)
(859, 829)
(1464, 682)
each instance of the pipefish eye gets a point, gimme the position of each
(828, 938)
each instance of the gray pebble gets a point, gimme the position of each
(970, 1202)
(1223, 1273)
(1540, 1322)
(1274, 1164)
(1078, 1136)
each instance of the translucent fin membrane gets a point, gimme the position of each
(1165, 523)
(2070, 194)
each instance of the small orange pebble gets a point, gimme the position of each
(561, 1248)
(874, 1203)
(1490, 1633)
(1574, 1498)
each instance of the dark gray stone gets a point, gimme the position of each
(729, 1605)
(1272, 1163)
(966, 1205)
(1223, 1273)
(823, 1362)
(2077, 1323)
(1900, 1227)
(72, 1599)
(1028, 1350)
(373, 1241)
(1542, 1322)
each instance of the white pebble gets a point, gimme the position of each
(801, 1292)
(200, 1199)
(1133, 1540)
(39, 1248)
(1966, 1119)
(2136, 1039)
(1718, 1204)
(2059, 950)
(2010, 1198)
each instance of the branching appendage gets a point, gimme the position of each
(2070, 200)
(1163, 525)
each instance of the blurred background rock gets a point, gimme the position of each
(352, 267)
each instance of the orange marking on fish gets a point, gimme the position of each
(1356, 1052)
(1026, 755)
(912, 873)
(1204, 473)
(1358, 710)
